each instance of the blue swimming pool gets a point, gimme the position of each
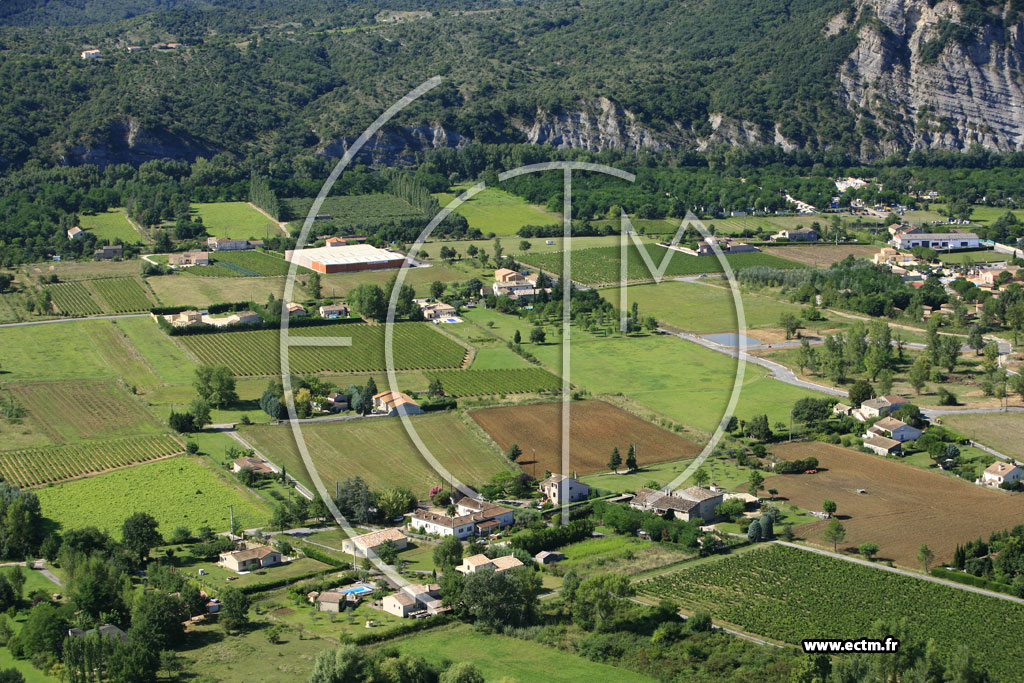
(356, 590)
(731, 339)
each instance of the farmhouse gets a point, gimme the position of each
(362, 546)
(478, 563)
(345, 259)
(250, 558)
(90, 54)
(189, 258)
(400, 604)
(332, 311)
(473, 518)
(257, 465)
(395, 403)
(295, 310)
(108, 631)
(727, 244)
(114, 251)
(879, 407)
(796, 235)
(332, 601)
(75, 233)
(559, 489)
(336, 402)
(883, 445)
(936, 240)
(1000, 472)
(225, 244)
(687, 504)
(437, 311)
(841, 409)
(897, 430)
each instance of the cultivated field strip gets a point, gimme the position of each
(499, 381)
(40, 466)
(791, 594)
(73, 298)
(257, 352)
(123, 294)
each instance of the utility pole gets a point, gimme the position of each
(231, 513)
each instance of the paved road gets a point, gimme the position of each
(779, 371)
(932, 413)
(73, 320)
(903, 572)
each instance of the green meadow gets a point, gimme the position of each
(111, 225)
(497, 211)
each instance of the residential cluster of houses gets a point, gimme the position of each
(515, 285)
(107, 253)
(796, 235)
(131, 49)
(688, 504)
(194, 317)
(706, 246)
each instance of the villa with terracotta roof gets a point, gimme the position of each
(395, 403)
(250, 558)
(415, 598)
(883, 445)
(894, 429)
(361, 546)
(999, 473)
(257, 465)
(478, 563)
(472, 518)
(687, 504)
(559, 489)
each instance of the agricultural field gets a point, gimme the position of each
(86, 409)
(822, 255)
(669, 376)
(235, 220)
(182, 289)
(600, 265)
(82, 270)
(345, 209)
(622, 554)
(111, 225)
(181, 491)
(497, 381)
(122, 294)
(148, 356)
(595, 428)
(500, 657)
(497, 211)
(380, 451)
(1001, 431)
(257, 352)
(702, 308)
(790, 594)
(73, 298)
(45, 466)
(903, 506)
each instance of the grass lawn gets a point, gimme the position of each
(182, 289)
(680, 380)
(216, 576)
(158, 352)
(331, 627)
(501, 656)
(235, 220)
(497, 211)
(702, 308)
(339, 284)
(110, 225)
(1001, 431)
(181, 491)
(381, 452)
(970, 257)
(662, 472)
(623, 554)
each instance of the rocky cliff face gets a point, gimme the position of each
(921, 81)
(126, 142)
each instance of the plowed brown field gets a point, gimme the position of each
(596, 427)
(904, 506)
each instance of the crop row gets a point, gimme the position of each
(123, 294)
(72, 298)
(598, 265)
(790, 594)
(257, 352)
(501, 381)
(39, 466)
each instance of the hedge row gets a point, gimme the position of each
(406, 627)
(971, 580)
(315, 553)
(288, 580)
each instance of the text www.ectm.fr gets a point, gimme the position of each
(858, 645)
